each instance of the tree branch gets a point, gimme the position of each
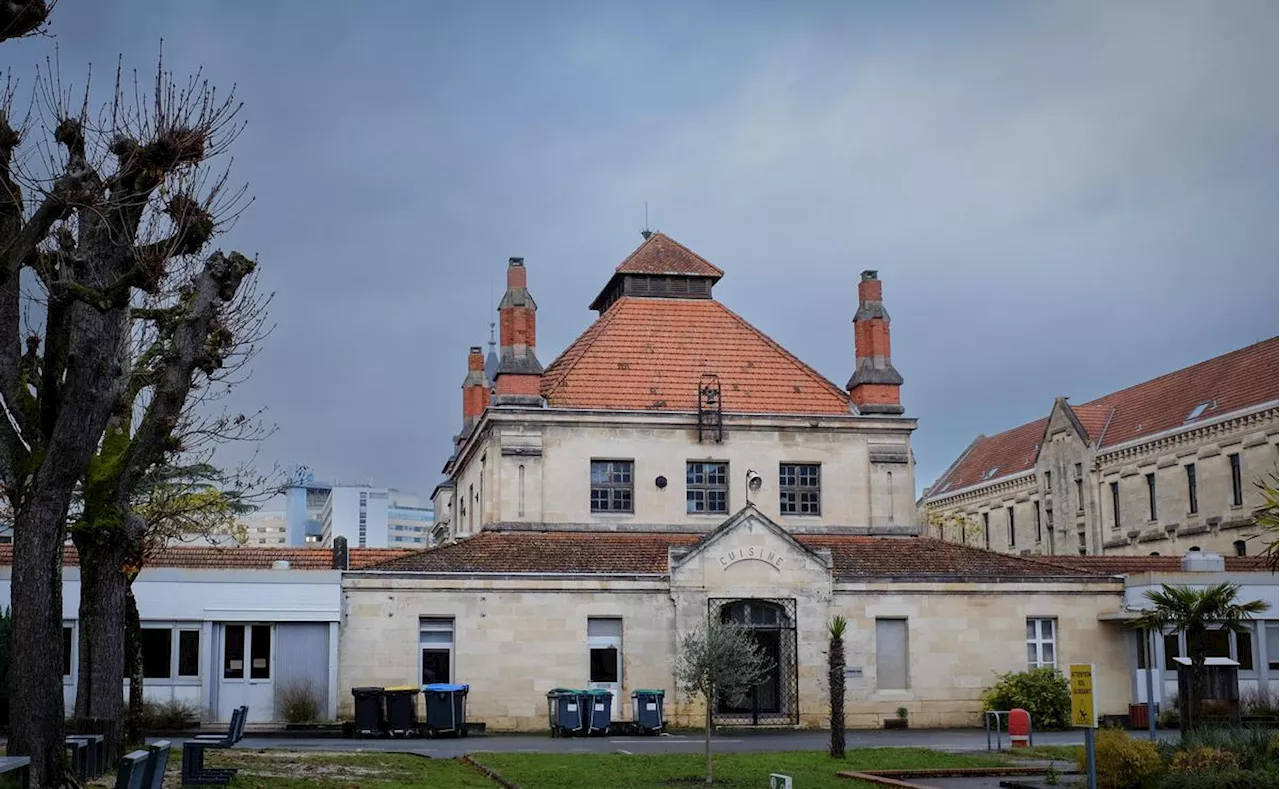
(198, 342)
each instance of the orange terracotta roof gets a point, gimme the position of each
(660, 254)
(1010, 452)
(606, 553)
(1093, 418)
(1230, 382)
(240, 557)
(1125, 565)
(648, 354)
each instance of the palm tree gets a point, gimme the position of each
(835, 675)
(1267, 519)
(1194, 612)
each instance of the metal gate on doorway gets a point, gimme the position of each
(776, 700)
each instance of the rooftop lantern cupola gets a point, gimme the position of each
(659, 268)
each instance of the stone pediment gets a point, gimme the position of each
(749, 550)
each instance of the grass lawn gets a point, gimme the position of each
(808, 769)
(282, 769)
(1066, 753)
(272, 769)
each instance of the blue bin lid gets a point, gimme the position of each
(444, 687)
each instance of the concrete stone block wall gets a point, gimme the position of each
(516, 639)
(534, 466)
(1218, 525)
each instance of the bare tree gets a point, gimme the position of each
(184, 353)
(97, 213)
(722, 661)
(182, 503)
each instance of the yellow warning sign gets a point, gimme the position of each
(1084, 712)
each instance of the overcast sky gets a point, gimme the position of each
(1061, 198)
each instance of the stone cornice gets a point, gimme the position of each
(494, 417)
(1196, 433)
(999, 487)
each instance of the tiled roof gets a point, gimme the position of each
(1125, 565)
(199, 557)
(660, 254)
(1006, 453)
(1230, 382)
(648, 354)
(604, 553)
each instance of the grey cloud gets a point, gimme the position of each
(1062, 198)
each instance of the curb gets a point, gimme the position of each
(492, 774)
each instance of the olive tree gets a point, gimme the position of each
(721, 661)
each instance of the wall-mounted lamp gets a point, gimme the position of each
(754, 481)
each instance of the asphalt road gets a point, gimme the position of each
(941, 739)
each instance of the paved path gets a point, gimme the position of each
(749, 742)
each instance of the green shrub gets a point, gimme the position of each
(1202, 760)
(298, 702)
(1123, 762)
(1231, 779)
(1253, 748)
(1258, 703)
(1043, 692)
(169, 715)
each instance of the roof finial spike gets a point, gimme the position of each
(646, 232)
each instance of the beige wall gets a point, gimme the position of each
(518, 637)
(555, 453)
(962, 636)
(1216, 526)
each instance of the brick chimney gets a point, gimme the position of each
(874, 386)
(475, 392)
(518, 379)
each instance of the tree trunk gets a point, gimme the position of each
(710, 776)
(835, 675)
(104, 588)
(73, 424)
(133, 733)
(37, 710)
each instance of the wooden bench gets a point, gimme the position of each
(194, 773)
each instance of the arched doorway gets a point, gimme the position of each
(772, 622)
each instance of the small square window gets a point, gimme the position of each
(707, 487)
(800, 489)
(611, 486)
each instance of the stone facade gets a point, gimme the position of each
(533, 466)
(1052, 514)
(518, 635)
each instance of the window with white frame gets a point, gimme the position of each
(435, 649)
(170, 652)
(604, 649)
(1042, 643)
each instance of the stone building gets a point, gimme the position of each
(1165, 467)
(674, 465)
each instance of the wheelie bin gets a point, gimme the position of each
(598, 705)
(564, 710)
(646, 710)
(371, 717)
(446, 708)
(402, 711)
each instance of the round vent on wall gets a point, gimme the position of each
(661, 482)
